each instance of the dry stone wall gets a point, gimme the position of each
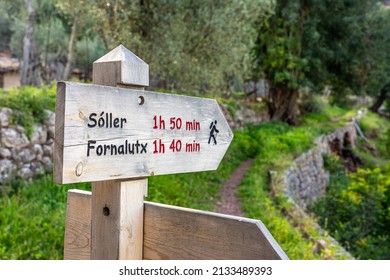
(306, 179)
(21, 157)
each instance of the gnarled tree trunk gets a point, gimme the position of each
(384, 94)
(282, 105)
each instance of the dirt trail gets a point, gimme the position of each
(229, 203)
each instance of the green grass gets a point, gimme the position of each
(377, 131)
(32, 218)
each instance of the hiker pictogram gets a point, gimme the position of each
(213, 132)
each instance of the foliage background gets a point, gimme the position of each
(211, 48)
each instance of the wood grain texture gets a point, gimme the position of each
(81, 162)
(120, 67)
(132, 219)
(77, 242)
(181, 233)
(58, 152)
(117, 219)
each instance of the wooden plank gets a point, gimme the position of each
(167, 134)
(180, 233)
(117, 219)
(58, 151)
(77, 242)
(117, 207)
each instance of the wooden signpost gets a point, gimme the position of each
(114, 133)
(116, 130)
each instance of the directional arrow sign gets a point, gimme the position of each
(106, 133)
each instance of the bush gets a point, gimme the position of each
(356, 210)
(29, 104)
(311, 102)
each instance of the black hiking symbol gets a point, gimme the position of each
(213, 132)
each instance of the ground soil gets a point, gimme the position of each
(229, 202)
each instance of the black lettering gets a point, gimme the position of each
(123, 120)
(101, 120)
(116, 122)
(105, 120)
(131, 149)
(121, 150)
(90, 147)
(92, 119)
(113, 147)
(105, 148)
(126, 148)
(137, 146)
(99, 150)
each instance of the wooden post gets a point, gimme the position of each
(118, 206)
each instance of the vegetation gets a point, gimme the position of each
(32, 212)
(214, 47)
(262, 194)
(191, 46)
(32, 217)
(29, 104)
(205, 47)
(320, 43)
(356, 210)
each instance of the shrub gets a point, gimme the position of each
(311, 102)
(29, 104)
(356, 210)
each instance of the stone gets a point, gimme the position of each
(39, 135)
(50, 123)
(47, 150)
(12, 138)
(306, 180)
(19, 129)
(7, 169)
(38, 151)
(48, 164)
(5, 153)
(26, 155)
(5, 115)
(25, 172)
(51, 118)
(37, 168)
(320, 245)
